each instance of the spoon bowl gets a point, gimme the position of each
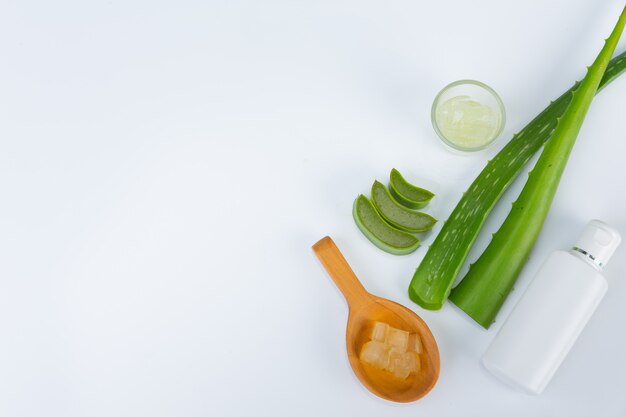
(365, 309)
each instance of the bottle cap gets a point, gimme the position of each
(598, 242)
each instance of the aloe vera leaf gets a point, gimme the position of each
(406, 193)
(491, 277)
(379, 232)
(435, 275)
(396, 214)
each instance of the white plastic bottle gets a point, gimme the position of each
(552, 312)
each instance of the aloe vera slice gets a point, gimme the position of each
(398, 215)
(406, 193)
(435, 275)
(380, 233)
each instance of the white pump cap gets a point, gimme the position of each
(598, 242)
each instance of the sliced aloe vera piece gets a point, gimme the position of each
(379, 232)
(406, 193)
(398, 215)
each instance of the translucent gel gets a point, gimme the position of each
(467, 123)
(393, 350)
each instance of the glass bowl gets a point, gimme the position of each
(468, 130)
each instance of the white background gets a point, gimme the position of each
(166, 166)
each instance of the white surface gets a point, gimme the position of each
(165, 168)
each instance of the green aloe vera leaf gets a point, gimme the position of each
(398, 215)
(490, 279)
(379, 232)
(435, 275)
(406, 193)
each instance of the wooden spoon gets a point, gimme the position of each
(366, 308)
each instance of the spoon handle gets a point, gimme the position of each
(337, 267)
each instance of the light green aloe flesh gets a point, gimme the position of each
(380, 233)
(435, 275)
(398, 215)
(406, 193)
(467, 123)
(490, 279)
